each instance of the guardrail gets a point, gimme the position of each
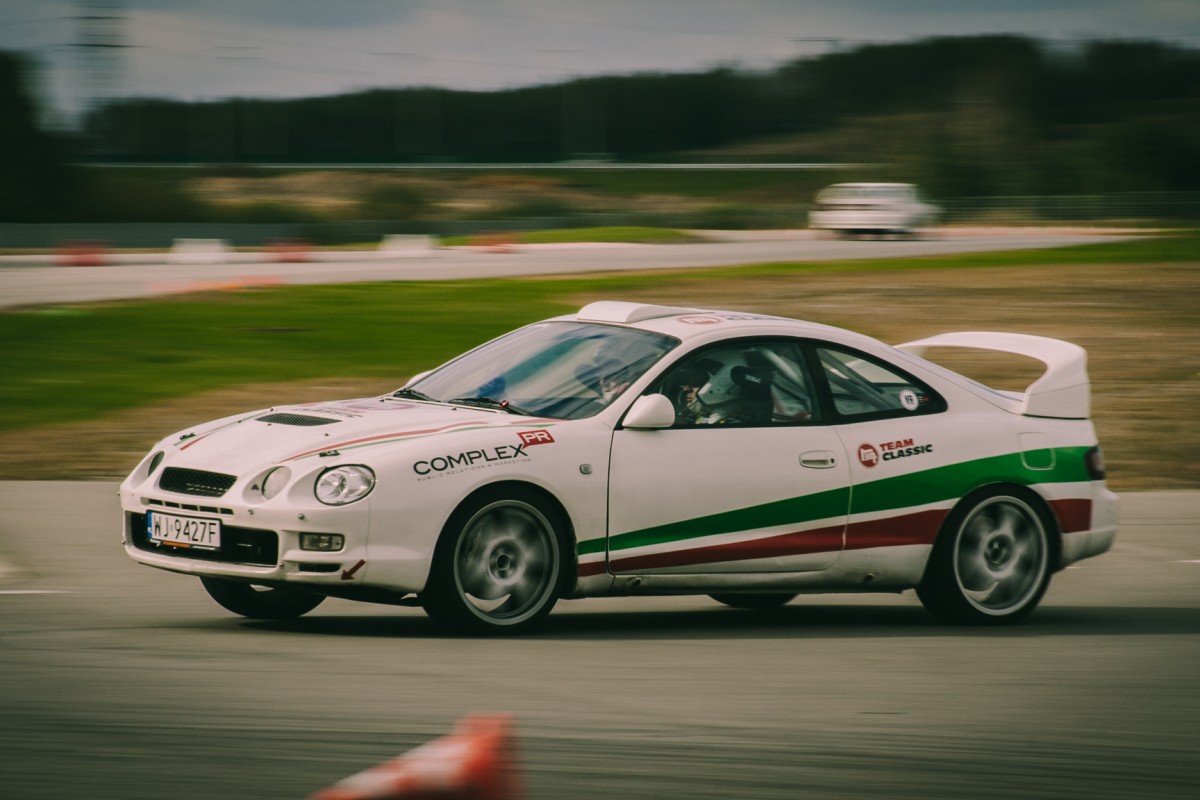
(1024, 209)
(1008, 209)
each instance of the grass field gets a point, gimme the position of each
(88, 388)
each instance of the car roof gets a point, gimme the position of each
(686, 323)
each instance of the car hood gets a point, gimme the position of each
(299, 432)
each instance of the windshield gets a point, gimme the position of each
(562, 370)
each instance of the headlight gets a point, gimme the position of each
(154, 462)
(338, 486)
(274, 481)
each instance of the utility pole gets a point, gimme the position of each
(99, 28)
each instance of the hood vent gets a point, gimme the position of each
(301, 420)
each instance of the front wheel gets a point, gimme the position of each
(991, 563)
(261, 602)
(498, 566)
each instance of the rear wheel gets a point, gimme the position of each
(754, 601)
(261, 602)
(991, 563)
(499, 564)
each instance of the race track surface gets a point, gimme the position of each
(125, 682)
(28, 280)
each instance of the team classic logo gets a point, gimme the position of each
(869, 456)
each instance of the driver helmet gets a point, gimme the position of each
(721, 386)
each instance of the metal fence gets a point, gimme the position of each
(1129, 207)
(1025, 209)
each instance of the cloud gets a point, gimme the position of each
(199, 49)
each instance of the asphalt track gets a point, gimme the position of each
(35, 280)
(125, 682)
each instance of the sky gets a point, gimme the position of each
(209, 49)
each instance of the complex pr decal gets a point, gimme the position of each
(470, 459)
(481, 459)
(530, 438)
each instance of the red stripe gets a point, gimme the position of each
(818, 540)
(1074, 515)
(917, 528)
(379, 437)
(920, 527)
(589, 568)
(197, 439)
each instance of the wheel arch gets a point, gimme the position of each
(1037, 502)
(565, 531)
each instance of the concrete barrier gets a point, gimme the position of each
(407, 245)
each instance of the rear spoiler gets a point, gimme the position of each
(1062, 391)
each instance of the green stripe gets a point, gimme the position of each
(955, 480)
(903, 491)
(781, 512)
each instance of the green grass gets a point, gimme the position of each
(66, 363)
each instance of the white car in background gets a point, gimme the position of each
(633, 449)
(850, 209)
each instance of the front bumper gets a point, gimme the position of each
(259, 542)
(861, 221)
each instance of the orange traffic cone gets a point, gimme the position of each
(501, 242)
(288, 250)
(473, 763)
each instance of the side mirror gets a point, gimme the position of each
(649, 412)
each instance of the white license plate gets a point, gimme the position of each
(179, 531)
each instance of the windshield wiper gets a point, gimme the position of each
(413, 394)
(491, 402)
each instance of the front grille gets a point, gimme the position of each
(302, 420)
(154, 501)
(195, 482)
(238, 545)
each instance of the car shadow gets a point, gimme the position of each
(825, 621)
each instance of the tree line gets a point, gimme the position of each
(1002, 113)
(966, 116)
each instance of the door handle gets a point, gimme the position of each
(818, 459)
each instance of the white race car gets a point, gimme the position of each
(636, 449)
(849, 209)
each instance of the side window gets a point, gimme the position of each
(863, 388)
(753, 383)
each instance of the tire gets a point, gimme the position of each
(991, 562)
(499, 565)
(757, 602)
(261, 602)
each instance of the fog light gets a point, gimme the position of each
(322, 542)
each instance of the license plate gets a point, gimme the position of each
(178, 531)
